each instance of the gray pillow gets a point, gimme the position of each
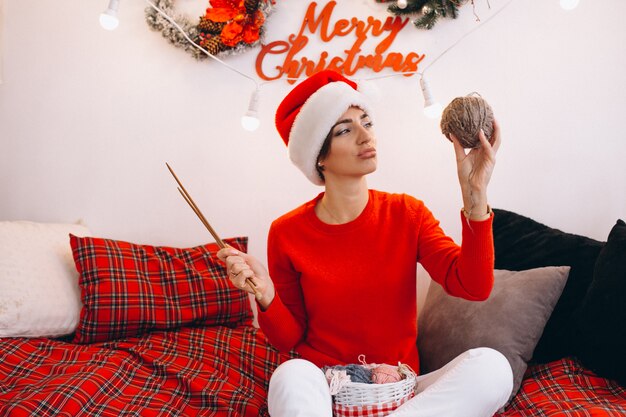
(510, 321)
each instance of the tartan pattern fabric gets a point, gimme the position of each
(203, 371)
(129, 289)
(372, 410)
(221, 372)
(565, 388)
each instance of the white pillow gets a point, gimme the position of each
(39, 293)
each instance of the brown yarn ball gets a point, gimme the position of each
(464, 117)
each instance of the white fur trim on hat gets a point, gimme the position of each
(314, 121)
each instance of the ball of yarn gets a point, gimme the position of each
(464, 117)
(336, 379)
(357, 373)
(385, 373)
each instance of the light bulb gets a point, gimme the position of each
(569, 4)
(402, 4)
(432, 109)
(108, 18)
(250, 121)
(108, 21)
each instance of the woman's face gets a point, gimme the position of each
(352, 146)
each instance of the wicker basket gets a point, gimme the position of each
(361, 394)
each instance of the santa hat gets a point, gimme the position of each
(306, 115)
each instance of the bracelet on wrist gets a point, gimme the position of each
(483, 217)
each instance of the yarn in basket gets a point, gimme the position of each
(357, 373)
(384, 374)
(464, 117)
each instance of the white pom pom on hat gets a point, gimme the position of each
(306, 115)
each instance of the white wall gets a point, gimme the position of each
(88, 119)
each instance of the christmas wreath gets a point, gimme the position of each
(227, 27)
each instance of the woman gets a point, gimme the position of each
(342, 267)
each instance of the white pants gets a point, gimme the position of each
(474, 384)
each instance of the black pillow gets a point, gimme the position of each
(522, 243)
(602, 321)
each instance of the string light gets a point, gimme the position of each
(108, 18)
(250, 121)
(432, 109)
(569, 4)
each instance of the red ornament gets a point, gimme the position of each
(241, 26)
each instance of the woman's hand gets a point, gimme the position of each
(240, 267)
(474, 170)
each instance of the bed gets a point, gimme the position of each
(159, 331)
(193, 371)
(221, 371)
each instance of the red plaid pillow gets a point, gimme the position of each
(129, 289)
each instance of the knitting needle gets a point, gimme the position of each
(206, 224)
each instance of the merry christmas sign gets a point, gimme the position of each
(296, 61)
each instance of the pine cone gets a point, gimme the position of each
(209, 26)
(213, 45)
(251, 6)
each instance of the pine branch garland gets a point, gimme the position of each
(429, 11)
(412, 7)
(427, 21)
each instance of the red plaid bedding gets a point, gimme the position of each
(211, 371)
(565, 388)
(219, 371)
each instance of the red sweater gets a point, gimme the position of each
(350, 289)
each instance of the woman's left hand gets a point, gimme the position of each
(474, 170)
